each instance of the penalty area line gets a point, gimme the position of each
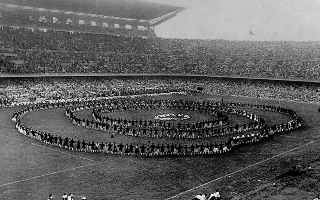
(242, 169)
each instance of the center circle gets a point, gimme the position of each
(172, 117)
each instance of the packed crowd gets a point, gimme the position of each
(68, 41)
(35, 61)
(159, 129)
(24, 91)
(34, 51)
(307, 93)
(152, 150)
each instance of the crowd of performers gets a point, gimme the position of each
(157, 150)
(213, 196)
(159, 129)
(138, 104)
(149, 128)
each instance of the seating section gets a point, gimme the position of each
(40, 51)
(36, 90)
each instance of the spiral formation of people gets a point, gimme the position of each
(209, 128)
(98, 100)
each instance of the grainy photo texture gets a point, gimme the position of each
(159, 100)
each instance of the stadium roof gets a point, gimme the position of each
(132, 9)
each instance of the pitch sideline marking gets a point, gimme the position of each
(59, 171)
(243, 169)
(48, 174)
(177, 195)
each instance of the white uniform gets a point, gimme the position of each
(200, 197)
(64, 197)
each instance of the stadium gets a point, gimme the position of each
(94, 105)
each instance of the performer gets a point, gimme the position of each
(50, 197)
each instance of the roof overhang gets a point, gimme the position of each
(118, 9)
(165, 17)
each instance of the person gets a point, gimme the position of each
(50, 197)
(215, 196)
(64, 196)
(70, 197)
(83, 198)
(199, 197)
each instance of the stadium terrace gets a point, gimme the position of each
(135, 17)
(93, 105)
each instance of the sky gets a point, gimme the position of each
(267, 20)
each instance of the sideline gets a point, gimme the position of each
(49, 174)
(177, 195)
(245, 168)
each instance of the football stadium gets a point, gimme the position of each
(94, 105)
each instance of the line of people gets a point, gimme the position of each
(69, 196)
(139, 104)
(153, 150)
(142, 129)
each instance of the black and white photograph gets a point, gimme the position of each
(159, 100)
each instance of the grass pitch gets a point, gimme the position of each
(29, 170)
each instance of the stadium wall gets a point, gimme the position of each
(160, 76)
